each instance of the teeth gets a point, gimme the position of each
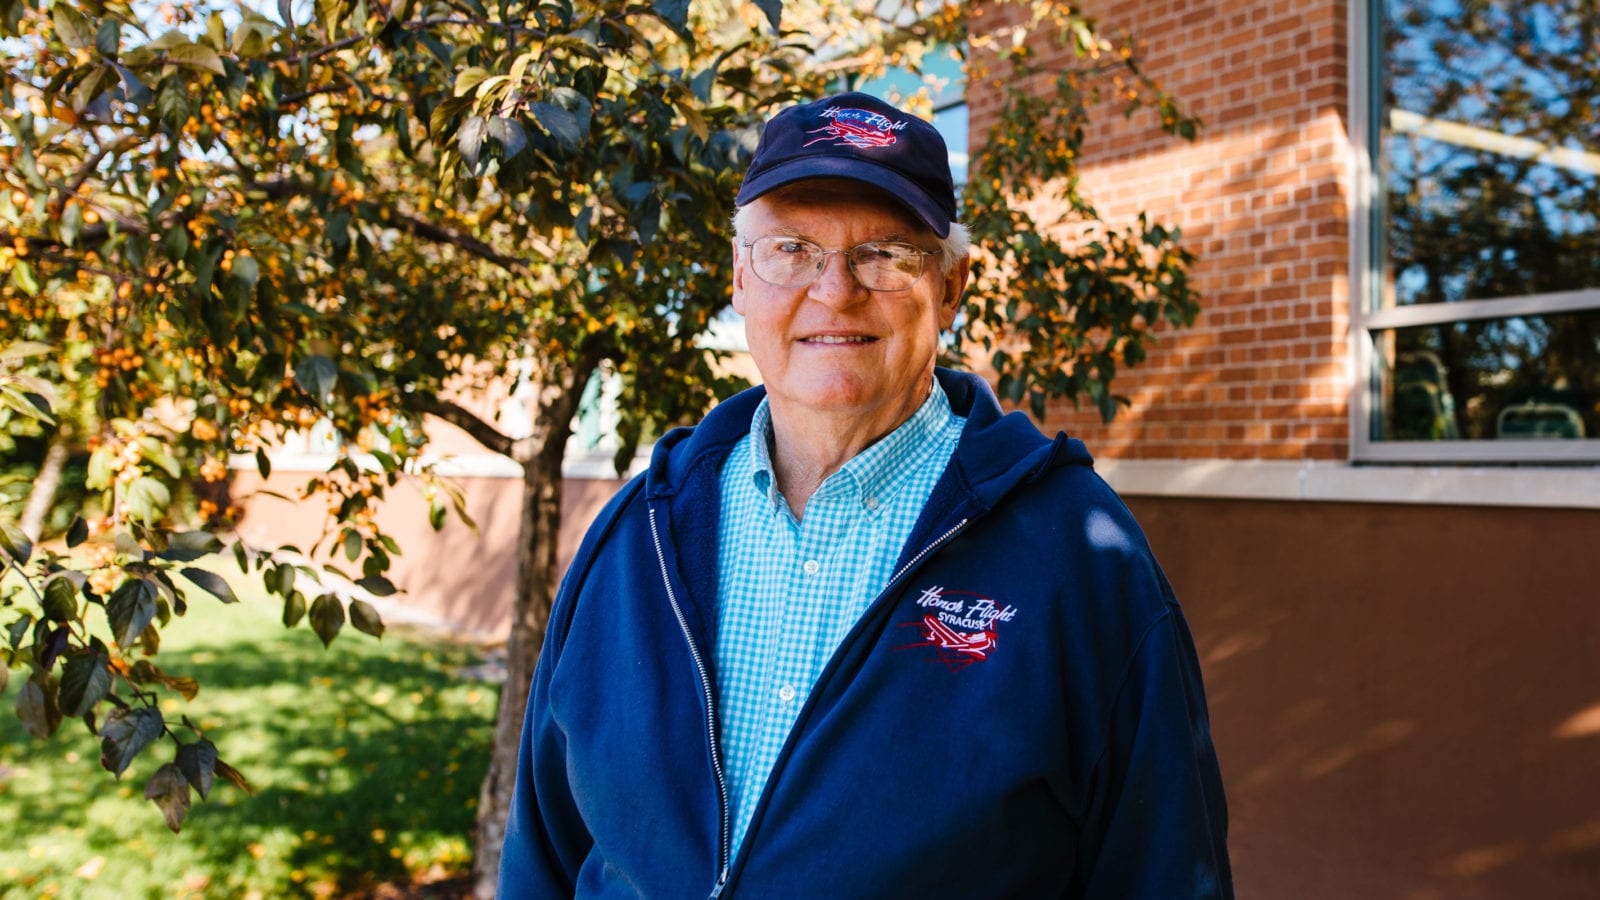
(837, 339)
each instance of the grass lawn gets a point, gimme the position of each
(366, 758)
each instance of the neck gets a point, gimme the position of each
(809, 445)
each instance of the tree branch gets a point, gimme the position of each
(324, 50)
(481, 431)
(288, 187)
(440, 234)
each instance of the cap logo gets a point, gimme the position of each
(859, 128)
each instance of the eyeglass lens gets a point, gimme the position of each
(878, 265)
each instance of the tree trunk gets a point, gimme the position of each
(43, 494)
(540, 529)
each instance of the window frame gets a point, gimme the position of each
(1368, 322)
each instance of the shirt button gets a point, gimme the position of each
(812, 567)
(870, 503)
(786, 693)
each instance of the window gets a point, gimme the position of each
(1480, 326)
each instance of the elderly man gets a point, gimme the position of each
(858, 633)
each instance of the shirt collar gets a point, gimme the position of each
(874, 474)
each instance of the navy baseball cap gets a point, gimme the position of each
(860, 137)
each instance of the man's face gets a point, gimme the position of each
(832, 346)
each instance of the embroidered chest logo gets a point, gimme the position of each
(858, 128)
(962, 626)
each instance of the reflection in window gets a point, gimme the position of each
(1490, 149)
(1516, 378)
(1485, 315)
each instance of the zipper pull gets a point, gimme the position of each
(722, 882)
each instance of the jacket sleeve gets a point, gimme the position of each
(546, 840)
(1157, 825)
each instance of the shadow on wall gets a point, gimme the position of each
(1406, 700)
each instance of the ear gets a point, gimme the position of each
(955, 284)
(738, 277)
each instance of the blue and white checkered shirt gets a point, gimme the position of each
(789, 590)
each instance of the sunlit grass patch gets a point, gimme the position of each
(366, 758)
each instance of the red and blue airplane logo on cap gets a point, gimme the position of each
(860, 128)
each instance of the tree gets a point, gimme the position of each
(361, 212)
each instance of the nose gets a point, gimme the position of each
(836, 285)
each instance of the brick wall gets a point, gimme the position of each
(1261, 197)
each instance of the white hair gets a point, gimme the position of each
(952, 248)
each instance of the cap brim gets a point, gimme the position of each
(901, 188)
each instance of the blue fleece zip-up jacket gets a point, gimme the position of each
(1018, 714)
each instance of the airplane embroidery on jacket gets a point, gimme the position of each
(976, 643)
(961, 626)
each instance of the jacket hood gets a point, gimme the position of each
(997, 451)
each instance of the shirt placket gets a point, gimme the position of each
(811, 583)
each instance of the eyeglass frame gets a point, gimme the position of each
(822, 263)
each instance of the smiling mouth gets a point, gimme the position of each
(838, 339)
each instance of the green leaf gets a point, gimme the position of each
(317, 376)
(170, 791)
(72, 27)
(187, 546)
(37, 708)
(23, 349)
(559, 123)
(245, 269)
(106, 37)
(376, 585)
(286, 577)
(18, 630)
(510, 135)
(147, 499)
(211, 583)
(22, 277)
(15, 542)
(85, 681)
(198, 761)
(673, 12)
(469, 139)
(131, 609)
(197, 56)
(364, 616)
(31, 405)
(169, 39)
(352, 544)
(100, 472)
(468, 79)
(60, 602)
(126, 733)
(263, 463)
(327, 617)
(132, 88)
(154, 452)
(294, 609)
(72, 215)
(77, 532)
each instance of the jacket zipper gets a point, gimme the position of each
(724, 829)
(937, 542)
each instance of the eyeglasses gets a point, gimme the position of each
(784, 261)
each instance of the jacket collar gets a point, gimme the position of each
(997, 449)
